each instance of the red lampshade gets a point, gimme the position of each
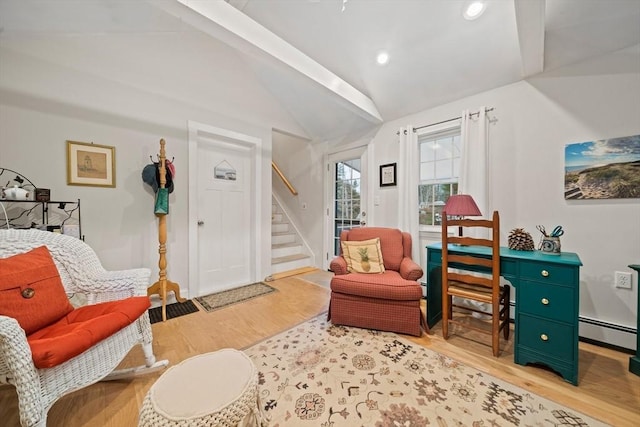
(461, 205)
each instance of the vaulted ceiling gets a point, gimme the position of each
(318, 57)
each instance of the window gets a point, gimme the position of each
(439, 171)
(347, 199)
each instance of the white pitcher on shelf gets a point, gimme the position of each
(15, 193)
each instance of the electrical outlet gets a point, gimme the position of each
(623, 280)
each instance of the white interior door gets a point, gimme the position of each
(223, 204)
(348, 190)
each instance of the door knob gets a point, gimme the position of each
(200, 222)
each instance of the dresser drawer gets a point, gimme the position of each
(434, 257)
(508, 268)
(547, 300)
(547, 337)
(547, 272)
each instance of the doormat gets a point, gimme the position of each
(222, 299)
(176, 309)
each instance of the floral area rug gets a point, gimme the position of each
(319, 374)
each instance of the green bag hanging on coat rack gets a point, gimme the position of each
(162, 202)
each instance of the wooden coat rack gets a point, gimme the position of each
(163, 285)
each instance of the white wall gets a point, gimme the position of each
(593, 100)
(128, 91)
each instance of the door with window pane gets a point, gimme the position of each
(348, 183)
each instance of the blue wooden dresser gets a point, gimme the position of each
(547, 303)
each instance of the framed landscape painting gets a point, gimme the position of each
(603, 169)
(91, 164)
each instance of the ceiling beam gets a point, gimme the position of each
(530, 25)
(251, 37)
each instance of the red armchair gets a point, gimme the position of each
(388, 301)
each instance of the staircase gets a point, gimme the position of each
(287, 250)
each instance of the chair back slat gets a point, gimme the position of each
(471, 260)
(469, 241)
(471, 280)
(486, 223)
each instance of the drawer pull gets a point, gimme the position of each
(544, 337)
(544, 301)
(544, 273)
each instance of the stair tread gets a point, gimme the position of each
(293, 272)
(287, 258)
(285, 245)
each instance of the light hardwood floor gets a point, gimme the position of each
(607, 390)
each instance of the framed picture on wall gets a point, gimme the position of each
(603, 169)
(91, 164)
(388, 175)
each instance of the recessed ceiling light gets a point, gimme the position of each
(382, 58)
(474, 9)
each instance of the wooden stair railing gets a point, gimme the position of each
(284, 179)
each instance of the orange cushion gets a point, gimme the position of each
(82, 328)
(31, 290)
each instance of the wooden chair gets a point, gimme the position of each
(458, 279)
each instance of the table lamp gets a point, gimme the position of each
(461, 205)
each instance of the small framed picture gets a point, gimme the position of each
(388, 175)
(91, 164)
(43, 194)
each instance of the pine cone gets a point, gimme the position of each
(520, 240)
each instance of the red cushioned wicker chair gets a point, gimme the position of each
(388, 301)
(80, 346)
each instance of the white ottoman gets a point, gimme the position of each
(212, 389)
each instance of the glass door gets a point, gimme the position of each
(347, 174)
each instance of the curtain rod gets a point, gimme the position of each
(486, 110)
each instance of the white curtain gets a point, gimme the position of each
(475, 178)
(407, 175)
(474, 162)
